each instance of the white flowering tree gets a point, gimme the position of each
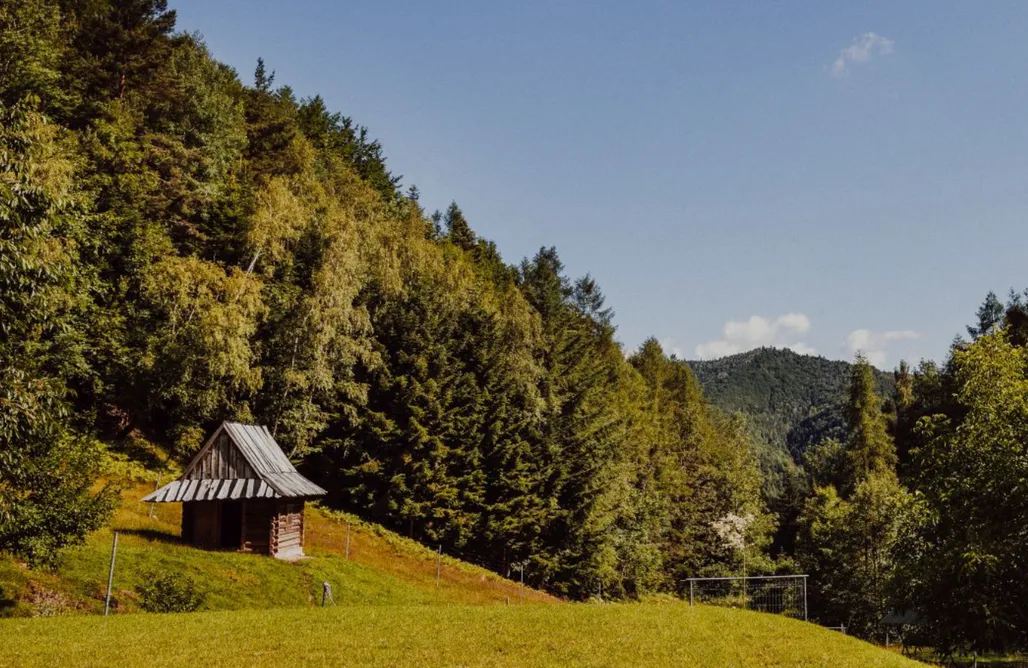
(731, 529)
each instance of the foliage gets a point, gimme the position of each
(849, 547)
(852, 525)
(966, 564)
(170, 592)
(236, 253)
(46, 469)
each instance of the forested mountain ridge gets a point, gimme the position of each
(179, 247)
(791, 401)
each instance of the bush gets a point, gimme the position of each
(170, 592)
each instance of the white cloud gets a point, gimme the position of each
(875, 345)
(863, 49)
(802, 348)
(739, 336)
(672, 348)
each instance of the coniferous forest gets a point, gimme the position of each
(182, 244)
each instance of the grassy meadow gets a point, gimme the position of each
(517, 635)
(389, 611)
(383, 568)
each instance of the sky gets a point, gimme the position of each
(828, 177)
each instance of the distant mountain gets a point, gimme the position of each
(790, 400)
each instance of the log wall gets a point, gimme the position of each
(269, 526)
(287, 530)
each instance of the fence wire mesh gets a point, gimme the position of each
(776, 594)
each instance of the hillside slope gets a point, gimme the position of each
(383, 568)
(565, 635)
(790, 400)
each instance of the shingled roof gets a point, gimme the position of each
(264, 472)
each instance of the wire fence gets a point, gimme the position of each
(776, 594)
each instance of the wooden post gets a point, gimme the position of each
(347, 540)
(156, 487)
(110, 575)
(439, 565)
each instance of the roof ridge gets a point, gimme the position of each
(264, 456)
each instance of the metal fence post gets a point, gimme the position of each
(110, 575)
(805, 598)
(691, 583)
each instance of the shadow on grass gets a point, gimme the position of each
(7, 603)
(151, 534)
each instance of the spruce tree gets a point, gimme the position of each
(869, 446)
(458, 231)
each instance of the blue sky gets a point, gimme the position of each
(824, 176)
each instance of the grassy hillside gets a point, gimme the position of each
(383, 569)
(423, 636)
(790, 400)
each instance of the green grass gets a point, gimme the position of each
(390, 612)
(424, 636)
(383, 569)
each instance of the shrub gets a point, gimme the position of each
(46, 602)
(170, 592)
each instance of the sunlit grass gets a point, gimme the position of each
(423, 636)
(383, 568)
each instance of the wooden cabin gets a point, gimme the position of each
(240, 492)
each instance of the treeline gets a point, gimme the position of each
(920, 512)
(178, 248)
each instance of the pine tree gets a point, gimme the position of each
(849, 536)
(262, 81)
(869, 447)
(119, 47)
(457, 229)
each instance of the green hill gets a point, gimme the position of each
(423, 636)
(382, 568)
(790, 400)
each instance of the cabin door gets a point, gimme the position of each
(232, 524)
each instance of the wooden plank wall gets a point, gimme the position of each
(222, 462)
(205, 521)
(287, 528)
(188, 523)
